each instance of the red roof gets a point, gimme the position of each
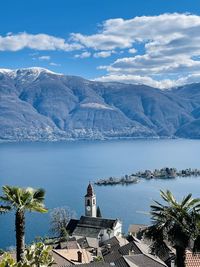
(90, 191)
(192, 260)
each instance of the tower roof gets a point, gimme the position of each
(90, 191)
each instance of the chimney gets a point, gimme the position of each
(171, 254)
(79, 253)
(108, 246)
(172, 263)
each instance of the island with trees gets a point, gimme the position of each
(163, 173)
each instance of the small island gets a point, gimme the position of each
(164, 173)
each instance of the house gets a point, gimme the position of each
(74, 256)
(192, 260)
(93, 227)
(143, 260)
(136, 229)
(132, 254)
(90, 225)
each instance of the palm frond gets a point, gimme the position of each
(4, 209)
(24, 198)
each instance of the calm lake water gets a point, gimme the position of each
(64, 170)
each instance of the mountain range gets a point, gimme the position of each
(37, 104)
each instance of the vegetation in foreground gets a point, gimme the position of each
(35, 255)
(20, 200)
(177, 223)
(173, 222)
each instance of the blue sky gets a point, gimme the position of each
(154, 42)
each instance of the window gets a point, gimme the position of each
(94, 201)
(88, 202)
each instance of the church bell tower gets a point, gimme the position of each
(90, 202)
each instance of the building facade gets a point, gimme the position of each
(92, 226)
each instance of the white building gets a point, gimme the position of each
(92, 226)
(90, 202)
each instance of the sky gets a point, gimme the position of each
(152, 42)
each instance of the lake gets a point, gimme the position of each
(65, 168)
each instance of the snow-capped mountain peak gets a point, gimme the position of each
(36, 71)
(26, 75)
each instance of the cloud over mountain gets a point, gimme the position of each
(170, 48)
(160, 50)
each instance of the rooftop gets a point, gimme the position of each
(90, 191)
(192, 260)
(71, 255)
(96, 222)
(134, 228)
(95, 264)
(90, 226)
(142, 260)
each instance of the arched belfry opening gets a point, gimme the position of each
(90, 202)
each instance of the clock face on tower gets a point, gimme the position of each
(88, 208)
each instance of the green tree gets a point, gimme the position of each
(64, 235)
(38, 255)
(98, 259)
(177, 223)
(7, 261)
(21, 200)
(35, 255)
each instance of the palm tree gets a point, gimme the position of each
(177, 223)
(22, 199)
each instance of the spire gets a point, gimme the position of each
(90, 191)
(99, 213)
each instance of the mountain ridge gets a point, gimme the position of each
(38, 104)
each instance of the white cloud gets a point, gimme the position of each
(54, 64)
(171, 48)
(146, 64)
(16, 42)
(146, 80)
(44, 58)
(103, 54)
(137, 79)
(85, 54)
(132, 51)
(100, 41)
(121, 33)
(169, 54)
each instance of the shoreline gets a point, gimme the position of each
(73, 140)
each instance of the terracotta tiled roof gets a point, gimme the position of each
(60, 260)
(135, 228)
(71, 255)
(192, 260)
(94, 264)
